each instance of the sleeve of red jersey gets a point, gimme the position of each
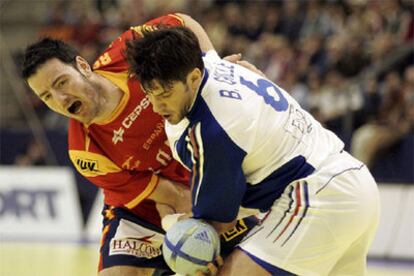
(167, 20)
(113, 59)
(178, 19)
(171, 20)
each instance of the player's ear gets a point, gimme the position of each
(194, 78)
(83, 66)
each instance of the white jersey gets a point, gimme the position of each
(245, 139)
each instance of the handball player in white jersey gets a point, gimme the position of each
(249, 144)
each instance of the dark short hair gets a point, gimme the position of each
(167, 54)
(47, 48)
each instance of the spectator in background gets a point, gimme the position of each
(395, 19)
(33, 155)
(232, 18)
(292, 20)
(337, 100)
(393, 119)
(102, 6)
(272, 19)
(352, 60)
(296, 89)
(314, 84)
(372, 99)
(215, 27)
(337, 17)
(56, 24)
(312, 54)
(253, 26)
(317, 21)
(408, 90)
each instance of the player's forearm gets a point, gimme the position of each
(204, 40)
(172, 194)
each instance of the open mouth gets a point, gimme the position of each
(75, 107)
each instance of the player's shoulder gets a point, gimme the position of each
(171, 19)
(168, 20)
(113, 58)
(222, 80)
(226, 101)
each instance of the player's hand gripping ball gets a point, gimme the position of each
(190, 245)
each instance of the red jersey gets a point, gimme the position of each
(125, 155)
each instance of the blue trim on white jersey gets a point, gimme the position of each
(195, 106)
(216, 165)
(262, 195)
(181, 144)
(218, 170)
(273, 270)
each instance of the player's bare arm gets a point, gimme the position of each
(173, 197)
(203, 39)
(237, 58)
(206, 44)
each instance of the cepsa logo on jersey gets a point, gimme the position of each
(118, 135)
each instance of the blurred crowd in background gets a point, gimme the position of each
(349, 63)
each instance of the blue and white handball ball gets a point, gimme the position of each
(190, 245)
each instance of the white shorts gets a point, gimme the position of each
(322, 224)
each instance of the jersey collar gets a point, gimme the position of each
(194, 107)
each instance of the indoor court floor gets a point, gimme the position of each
(57, 259)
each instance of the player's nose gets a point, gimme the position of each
(63, 99)
(157, 106)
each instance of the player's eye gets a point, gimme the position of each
(165, 94)
(61, 83)
(46, 97)
(147, 91)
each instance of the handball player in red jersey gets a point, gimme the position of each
(118, 143)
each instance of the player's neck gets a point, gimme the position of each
(110, 98)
